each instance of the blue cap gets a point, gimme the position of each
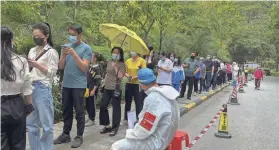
(146, 76)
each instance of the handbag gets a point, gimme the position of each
(117, 92)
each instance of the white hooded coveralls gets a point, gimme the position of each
(157, 124)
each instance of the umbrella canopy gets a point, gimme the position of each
(122, 37)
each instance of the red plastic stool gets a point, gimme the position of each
(180, 141)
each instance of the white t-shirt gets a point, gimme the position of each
(163, 76)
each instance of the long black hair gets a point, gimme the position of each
(7, 67)
(45, 28)
(121, 53)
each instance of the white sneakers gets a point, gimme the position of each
(90, 123)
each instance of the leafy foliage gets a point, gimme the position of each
(231, 30)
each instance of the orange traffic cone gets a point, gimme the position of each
(180, 141)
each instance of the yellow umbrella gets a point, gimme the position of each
(122, 37)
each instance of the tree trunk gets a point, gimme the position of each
(161, 39)
(109, 19)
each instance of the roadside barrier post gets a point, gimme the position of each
(241, 89)
(223, 131)
(233, 98)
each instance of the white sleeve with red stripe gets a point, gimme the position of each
(149, 118)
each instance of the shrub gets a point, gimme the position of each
(274, 73)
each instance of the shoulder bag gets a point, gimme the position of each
(39, 56)
(117, 92)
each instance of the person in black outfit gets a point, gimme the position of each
(94, 77)
(216, 71)
(209, 72)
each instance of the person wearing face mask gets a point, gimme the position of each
(216, 65)
(44, 62)
(191, 67)
(115, 72)
(172, 56)
(178, 76)
(133, 65)
(209, 72)
(164, 69)
(258, 77)
(203, 74)
(158, 121)
(75, 59)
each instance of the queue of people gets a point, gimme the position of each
(32, 78)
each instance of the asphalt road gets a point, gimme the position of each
(254, 124)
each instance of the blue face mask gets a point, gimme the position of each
(72, 39)
(115, 56)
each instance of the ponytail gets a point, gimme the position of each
(49, 40)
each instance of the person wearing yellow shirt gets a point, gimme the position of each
(133, 65)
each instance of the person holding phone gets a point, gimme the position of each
(75, 60)
(133, 65)
(43, 60)
(16, 83)
(115, 72)
(164, 69)
(191, 68)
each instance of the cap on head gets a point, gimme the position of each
(146, 76)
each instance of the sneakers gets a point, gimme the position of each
(181, 96)
(63, 138)
(189, 98)
(195, 93)
(77, 142)
(124, 122)
(90, 123)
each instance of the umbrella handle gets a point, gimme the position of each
(124, 40)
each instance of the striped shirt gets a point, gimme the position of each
(110, 79)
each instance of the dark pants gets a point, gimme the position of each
(132, 91)
(223, 76)
(202, 84)
(208, 80)
(196, 84)
(214, 80)
(257, 83)
(219, 79)
(90, 103)
(229, 75)
(13, 123)
(73, 98)
(189, 80)
(116, 109)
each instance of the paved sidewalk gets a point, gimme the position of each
(93, 140)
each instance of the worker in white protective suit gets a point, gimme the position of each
(158, 120)
(235, 70)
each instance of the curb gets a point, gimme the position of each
(195, 103)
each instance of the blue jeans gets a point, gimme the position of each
(43, 115)
(207, 80)
(176, 86)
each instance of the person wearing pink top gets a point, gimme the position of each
(258, 77)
